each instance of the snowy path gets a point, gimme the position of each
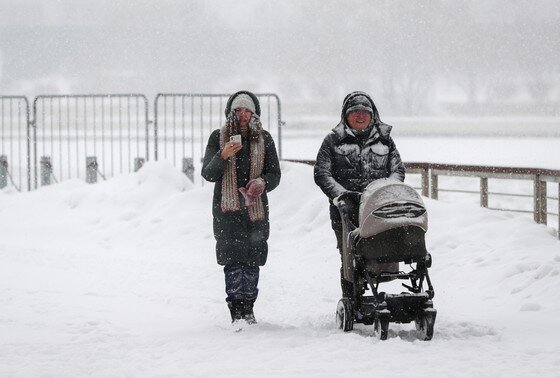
(120, 279)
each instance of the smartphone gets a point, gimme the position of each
(235, 138)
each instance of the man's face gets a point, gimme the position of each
(243, 116)
(359, 119)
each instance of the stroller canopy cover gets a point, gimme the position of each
(386, 204)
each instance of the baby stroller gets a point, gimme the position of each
(381, 227)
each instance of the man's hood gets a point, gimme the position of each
(346, 104)
(380, 129)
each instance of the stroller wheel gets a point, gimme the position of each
(425, 325)
(381, 328)
(344, 315)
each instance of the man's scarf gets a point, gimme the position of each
(230, 191)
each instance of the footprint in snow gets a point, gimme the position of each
(530, 307)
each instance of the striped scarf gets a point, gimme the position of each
(230, 191)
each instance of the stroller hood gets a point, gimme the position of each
(387, 204)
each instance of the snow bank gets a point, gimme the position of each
(119, 278)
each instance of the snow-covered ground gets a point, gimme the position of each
(119, 279)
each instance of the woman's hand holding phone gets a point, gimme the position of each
(232, 147)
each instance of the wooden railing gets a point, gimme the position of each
(430, 172)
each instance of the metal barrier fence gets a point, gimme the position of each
(78, 133)
(538, 178)
(107, 134)
(183, 122)
(14, 143)
(86, 136)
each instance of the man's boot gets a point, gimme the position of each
(248, 314)
(346, 286)
(236, 309)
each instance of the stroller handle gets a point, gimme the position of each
(342, 200)
(347, 204)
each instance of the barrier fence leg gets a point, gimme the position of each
(46, 170)
(188, 168)
(3, 171)
(91, 169)
(138, 163)
(434, 186)
(484, 191)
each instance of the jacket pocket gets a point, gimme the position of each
(345, 155)
(377, 156)
(379, 149)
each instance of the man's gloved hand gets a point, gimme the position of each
(255, 187)
(249, 199)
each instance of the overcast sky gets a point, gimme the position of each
(307, 51)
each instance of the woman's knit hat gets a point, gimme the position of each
(243, 101)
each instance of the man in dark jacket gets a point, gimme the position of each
(241, 159)
(356, 152)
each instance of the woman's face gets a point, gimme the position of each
(243, 116)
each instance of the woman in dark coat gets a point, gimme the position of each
(244, 173)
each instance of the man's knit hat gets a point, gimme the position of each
(243, 100)
(359, 102)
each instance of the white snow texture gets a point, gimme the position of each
(120, 279)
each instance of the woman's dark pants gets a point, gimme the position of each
(241, 282)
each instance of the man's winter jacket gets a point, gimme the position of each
(347, 162)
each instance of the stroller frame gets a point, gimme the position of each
(381, 308)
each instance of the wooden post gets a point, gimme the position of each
(484, 191)
(536, 198)
(425, 183)
(539, 200)
(434, 186)
(543, 203)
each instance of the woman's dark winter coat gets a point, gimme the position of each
(346, 162)
(238, 239)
